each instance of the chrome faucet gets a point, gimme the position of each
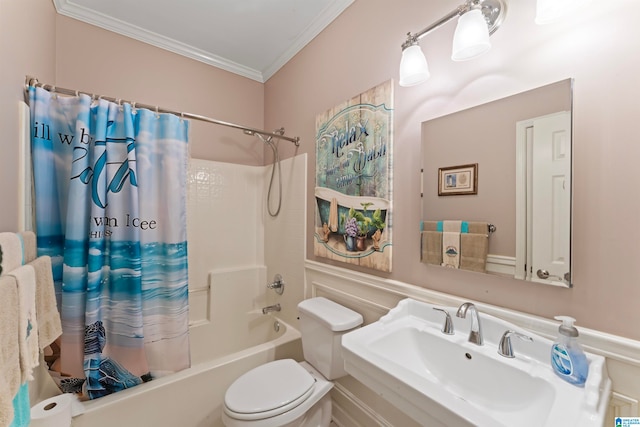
(475, 335)
(504, 346)
(277, 284)
(447, 328)
(270, 308)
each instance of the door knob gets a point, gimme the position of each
(542, 274)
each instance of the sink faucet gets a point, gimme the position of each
(270, 308)
(447, 328)
(504, 347)
(475, 336)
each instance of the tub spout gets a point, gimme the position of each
(270, 308)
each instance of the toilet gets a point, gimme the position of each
(285, 393)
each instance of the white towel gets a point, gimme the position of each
(49, 326)
(28, 246)
(451, 249)
(11, 246)
(454, 226)
(27, 321)
(10, 376)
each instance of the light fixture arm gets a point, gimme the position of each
(413, 38)
(493, 10)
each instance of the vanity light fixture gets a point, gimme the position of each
(477, 20)
(413, 65)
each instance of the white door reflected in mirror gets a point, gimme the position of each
(543, 211)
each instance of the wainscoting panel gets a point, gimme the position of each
(623, 406)
(373, 296)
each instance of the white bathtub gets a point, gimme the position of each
(194, 397)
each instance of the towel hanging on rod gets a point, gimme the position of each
(437, 225)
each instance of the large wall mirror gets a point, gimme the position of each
(497, 187)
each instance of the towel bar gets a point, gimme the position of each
(490, 227)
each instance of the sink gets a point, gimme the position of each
(469, 375)
(443, 380)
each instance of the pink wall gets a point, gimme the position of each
(596, 47)
(27, 37)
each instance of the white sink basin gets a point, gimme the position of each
(440, 379)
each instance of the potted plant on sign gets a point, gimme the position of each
(363, 223)
(350, 233)
(379, 224)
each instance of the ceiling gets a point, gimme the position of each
(251, 38)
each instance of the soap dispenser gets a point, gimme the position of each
(567, 357)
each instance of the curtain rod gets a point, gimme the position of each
(279, 133)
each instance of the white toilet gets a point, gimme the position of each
(285, 393)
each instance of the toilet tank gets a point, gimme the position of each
(322, 324)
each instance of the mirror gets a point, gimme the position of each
(506, 166)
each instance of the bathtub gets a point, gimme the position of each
(345, 202)
(194, 397)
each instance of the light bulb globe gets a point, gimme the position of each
(413, 66)
(471, 38)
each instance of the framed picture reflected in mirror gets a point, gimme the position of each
(458, 180)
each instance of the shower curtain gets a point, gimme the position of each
(110, 204)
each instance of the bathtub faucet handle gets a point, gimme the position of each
(277, 284)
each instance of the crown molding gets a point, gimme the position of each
(325, 18)
(89, 16)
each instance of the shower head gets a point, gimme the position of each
(266, 140)
(265, 137)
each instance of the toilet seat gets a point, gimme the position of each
(268, 390)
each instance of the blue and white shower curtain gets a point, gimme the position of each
(110, 203)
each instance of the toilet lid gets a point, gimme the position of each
(268, 390)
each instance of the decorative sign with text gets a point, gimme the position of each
(354, 180)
